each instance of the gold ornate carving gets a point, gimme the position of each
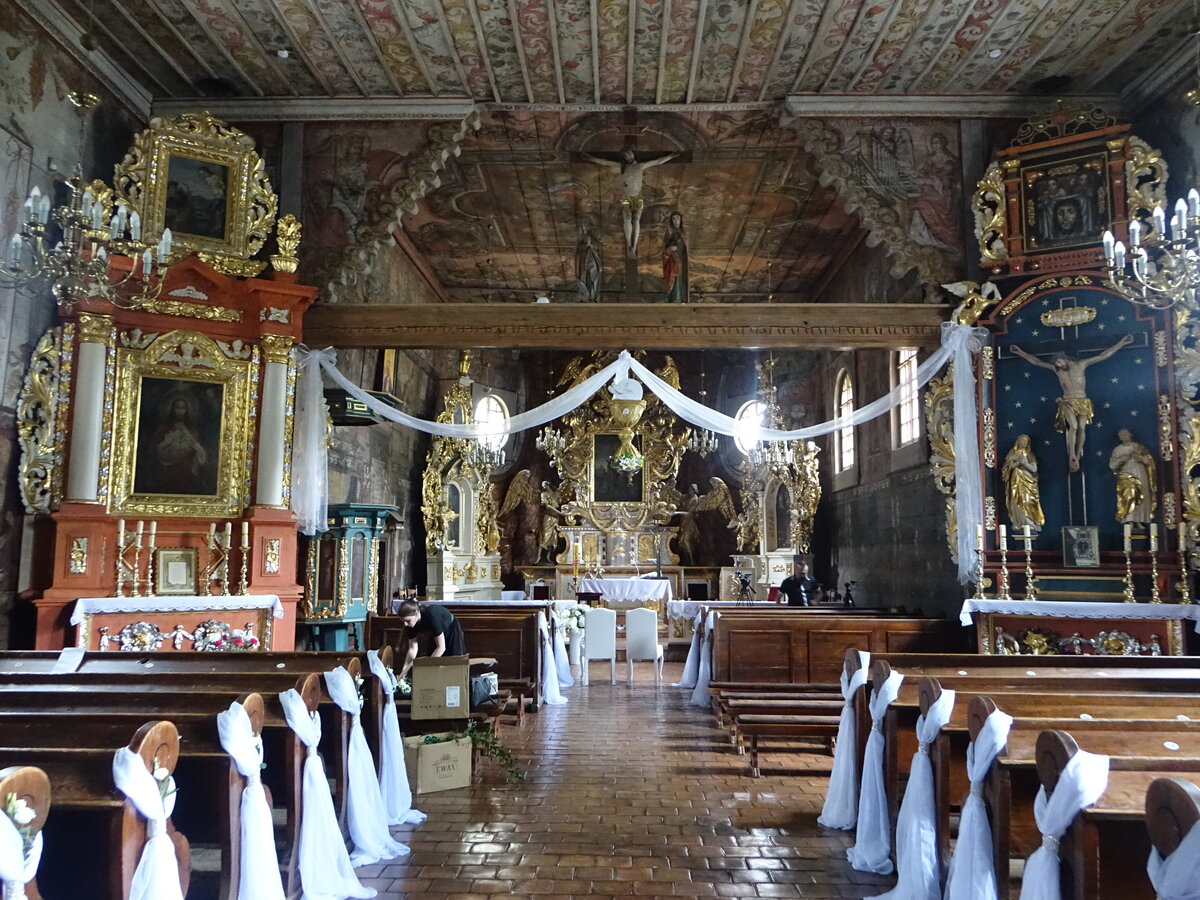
(167, 307)
(991, 225)
(1068, 316)
(271, 556)
(1063, 119)
(198, 139)
(1169, 509)
(277, 348)
(190, 357)
(289, 429)
(95, 329)
(77, 562)
(989, 437)
(988, 360)
(287, 236)
(939, 426)
(38, 432)
(1187, 379)
(1145, 184)
(1166, 437)
(989, 513)
(1160, 348)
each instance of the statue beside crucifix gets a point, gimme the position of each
(631, 170)
(1074, 411)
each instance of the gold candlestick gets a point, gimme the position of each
(1030, 580)
(1185, 575)
(1002, 592)
(150, 559)
(137, 560)
(1155, 596)
(245, 558)
(979, 595)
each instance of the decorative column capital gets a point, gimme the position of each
(277, 348)
(95, 329)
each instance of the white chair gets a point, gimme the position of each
(641, 641)
(599, 639)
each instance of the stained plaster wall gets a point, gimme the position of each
(39, 145)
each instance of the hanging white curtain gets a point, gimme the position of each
(551, 695)
(1178, 876)
(258, 870)
(972, 874)
(958, 343)
(841, 800)
(393, 774)
(325, 870)
(17, 868)
(872, 850)
(917, 861)
(157, 874)
(365, 814)
(310, 457)
(963, 343)
(1082, 781)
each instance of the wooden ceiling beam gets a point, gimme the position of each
(832, 326)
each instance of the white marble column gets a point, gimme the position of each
(272, 421)
(87, 409)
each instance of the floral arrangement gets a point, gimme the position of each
(22, 815)
(488, 745)
(166, 784)
(236, 641)
(572, 619)
(403, 686)
(628, 463)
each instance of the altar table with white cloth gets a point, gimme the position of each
(627, 593)
(682, 613)
(167, 621)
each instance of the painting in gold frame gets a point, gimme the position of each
(202, 179)
(1065, 201)
(175, 571)
(608, 484)
(181, 429)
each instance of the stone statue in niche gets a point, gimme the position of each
(631, 170)
(1137, 480)
(675, 259)
(1021, 495)
(587, 267)
(1074, 411)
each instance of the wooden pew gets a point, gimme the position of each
(1172, 811)
(28, 784)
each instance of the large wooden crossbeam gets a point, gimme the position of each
(613, 326)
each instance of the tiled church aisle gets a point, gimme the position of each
(630, 792)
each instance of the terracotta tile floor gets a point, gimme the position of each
(630, 792)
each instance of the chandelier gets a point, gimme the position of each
(551, 442)
(1155, 270)
(480, 456)
(701, 441)
(84, 249)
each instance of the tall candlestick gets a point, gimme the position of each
(1030, 581)
(1128, 537)
(226, 544)
(1002, 592)
(1129, 597)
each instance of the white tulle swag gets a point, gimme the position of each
(157, 874)
(393, 774)
(872, 850)
(1178, 876)
(841, 801)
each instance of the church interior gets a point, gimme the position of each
(836, 359)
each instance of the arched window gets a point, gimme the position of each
(844, 437)
(751, 417)
(491, 411)
(907, 417)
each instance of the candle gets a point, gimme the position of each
(1135, 233)
(1118, 256)
(1003, 532)
(1160, 220)
(139, 528)
(1153, 537)
(154, 527)
(245, 534)
(979, 536)
(1194, 203)
(1109, 244)
(1128, 537)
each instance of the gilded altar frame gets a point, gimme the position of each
(190, 359)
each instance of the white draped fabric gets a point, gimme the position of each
(561, 661)
(691, 666)
(1082, 781)
(917, 861)
(550, 691)
(841, 802)
(393, 774)
(1178, 876)
(16, 869)
(872, 850)
(700, 694)
(958, 343)
(325, 870)
(972, 873)
(365, 815)
(157, 874)
(310, 466)
(258, 871)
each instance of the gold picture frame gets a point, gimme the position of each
(175, 570)
(202, 179)
(181, 429)
(607, 485)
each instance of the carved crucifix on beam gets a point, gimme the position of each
(631, 170)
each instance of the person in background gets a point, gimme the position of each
(800, 588)
(430, 621)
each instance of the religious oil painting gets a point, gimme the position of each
(175, 571)
(1066, 202)
(196, 197)
(178, 437)
(1081, 546)
(610, 485)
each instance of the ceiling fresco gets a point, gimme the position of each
(632, 51)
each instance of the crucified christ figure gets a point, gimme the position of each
(1074, 408)
(632, 203)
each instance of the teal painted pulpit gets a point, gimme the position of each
(342, 577)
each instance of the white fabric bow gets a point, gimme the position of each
(365, 813)
(691, 666)
(1083, 780)
(551, 695)
(1178, 876)
(963, 341)
(917, 861)
(841, 801)
(972, 868)
(258, 872)
(393, 775)
(157, 874)
(325, 870)
(16, 868)
(872, 850)
(561, 661)
(700, 694)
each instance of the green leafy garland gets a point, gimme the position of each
(486, 742)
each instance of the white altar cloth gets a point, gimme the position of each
(628, 589)
(688, 609)
(511, 596)
(1077, 609)
(98, 605)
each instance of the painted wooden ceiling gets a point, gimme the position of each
(632, 51)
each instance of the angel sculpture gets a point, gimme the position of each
(694, 503)
(523, 489)
(976, 298)
(670, 374)
(577, 372)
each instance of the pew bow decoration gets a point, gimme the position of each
(1177, 877)
(258, 872)
(393, 775)
(365, 815)
(872, 848)
(157, 874)
(20, 852)
(841, 802)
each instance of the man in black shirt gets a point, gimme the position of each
(433, 623)
(800, 588)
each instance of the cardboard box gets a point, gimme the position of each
(440, 688)
(437, 767)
